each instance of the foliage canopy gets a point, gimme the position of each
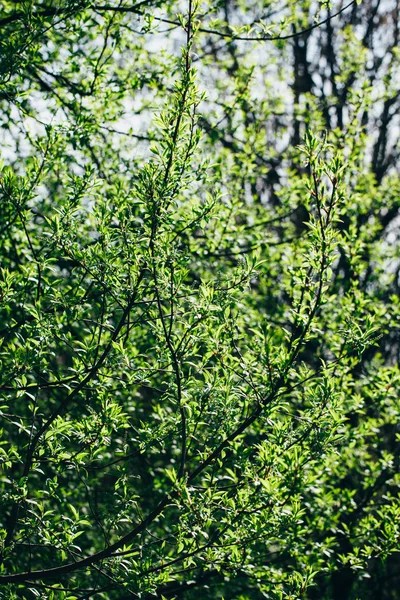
(199, 296)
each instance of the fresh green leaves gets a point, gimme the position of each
(199, 301)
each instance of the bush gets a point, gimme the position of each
(199, 300)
